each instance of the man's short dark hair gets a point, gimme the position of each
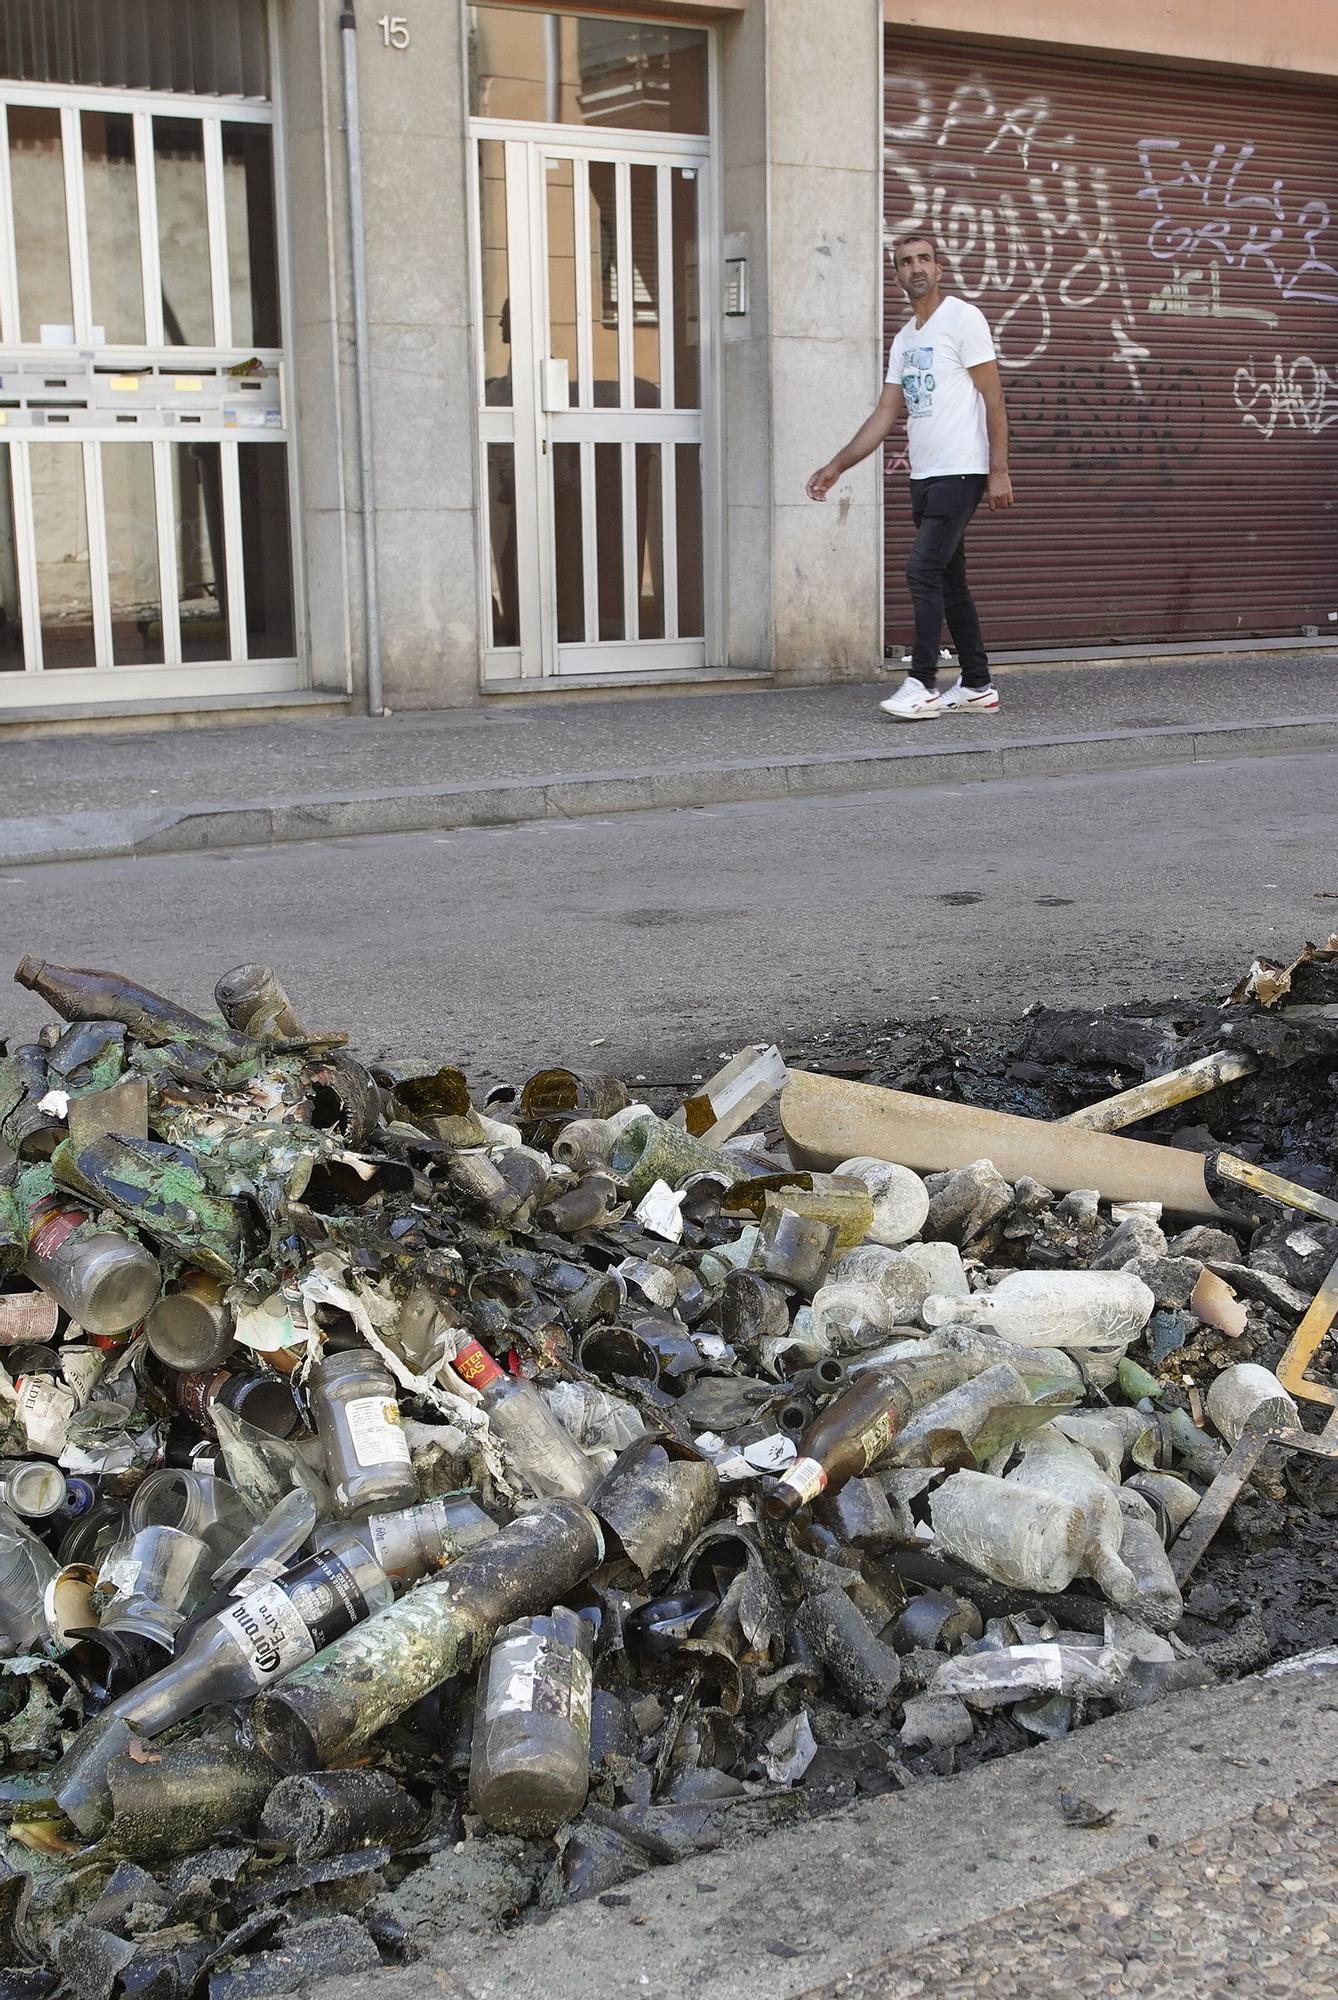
(918, 236)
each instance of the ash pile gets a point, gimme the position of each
(402, 1494)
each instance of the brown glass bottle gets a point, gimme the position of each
(83, 995)
(843, 1441)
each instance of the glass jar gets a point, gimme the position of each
(362, 1434)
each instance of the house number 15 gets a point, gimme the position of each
(394, 31)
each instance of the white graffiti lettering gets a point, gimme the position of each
(1222, 206)
(1197, 294)
(1052, 245)
(1302, 393)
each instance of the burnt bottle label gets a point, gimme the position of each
(283, 1623)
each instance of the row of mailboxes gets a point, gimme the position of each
(85, 393)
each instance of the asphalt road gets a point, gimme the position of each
(674, 935)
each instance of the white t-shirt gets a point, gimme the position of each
(945, 409)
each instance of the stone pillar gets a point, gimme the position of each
(801, 152)
(415, 192)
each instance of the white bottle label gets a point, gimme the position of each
(272, 1637)
(376, 1431)
(805, 1478)
(45, 1407)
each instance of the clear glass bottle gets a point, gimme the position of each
(1246, 1393)
(1014, 1534)
(26, 1569)
(529, 1769)
(362, 1433)
(104, 1281)
(545, 1453)
(1053, 1308)
(415, 1540)
(1051, 1464)
(196, 1502)
(263, 1636)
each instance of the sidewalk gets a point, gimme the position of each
(77, 797)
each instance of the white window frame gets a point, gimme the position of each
(237, 674)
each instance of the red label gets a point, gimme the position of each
(55, 1229)
(473, 1364)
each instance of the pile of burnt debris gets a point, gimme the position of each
(411, 1504)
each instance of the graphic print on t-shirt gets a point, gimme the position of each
(917, 380)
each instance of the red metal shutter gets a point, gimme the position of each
(1157, 254)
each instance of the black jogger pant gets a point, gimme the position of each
(936, 574)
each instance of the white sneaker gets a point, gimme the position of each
(960, 697)
(912, 702)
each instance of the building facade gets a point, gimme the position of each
(516, 395)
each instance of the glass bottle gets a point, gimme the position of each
(106, 1282)
(415, 1540)
(1050, 1464)
(529, 1767)
(1053, 1308)
(1247, 1393)
(192, 1325)
(546, 1455)
(251, 999)
(360, 1428)
(82, 995)
(1014, 1534)
(843, 1441)
(197, 1502)
(263, 1636)
(26, 1569)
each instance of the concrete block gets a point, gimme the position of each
(825, 257)
(597, 792)
(429, 607)
(827, 590)
(823, 392)
(424, 416)
(824, 83)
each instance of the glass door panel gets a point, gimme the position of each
(111, 200)
(594, 461)
(41, 236)
(60, 537)
(183, 232)
(11, 611)
(202, 577)
(130, 510)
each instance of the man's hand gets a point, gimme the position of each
(999, 492)
(820, 483)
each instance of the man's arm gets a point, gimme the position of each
(985, 375)
(889, 409)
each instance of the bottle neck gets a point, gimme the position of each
(175, 1692)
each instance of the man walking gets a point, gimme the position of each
(942, 376)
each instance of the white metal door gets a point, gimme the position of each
(594, 375)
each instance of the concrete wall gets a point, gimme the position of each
(1296, 36)
(800, 146)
